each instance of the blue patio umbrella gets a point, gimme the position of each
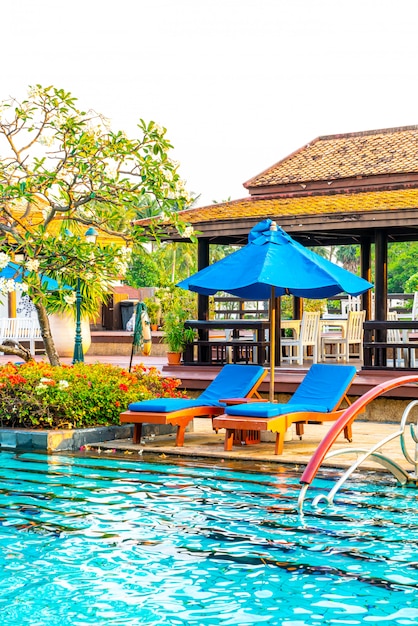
(273, 264)
(17, 273)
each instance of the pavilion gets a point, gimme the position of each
(355, 188)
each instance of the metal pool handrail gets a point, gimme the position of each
(348, 417)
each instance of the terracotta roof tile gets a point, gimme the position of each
(307, 205)
(370, 153)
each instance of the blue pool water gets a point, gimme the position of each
(113, 541)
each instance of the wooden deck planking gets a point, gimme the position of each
(197, 378)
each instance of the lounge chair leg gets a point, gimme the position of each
(299, 429)
(348, 433)
(136, 438)
(181, 429)
(279, 443)
(229, 438)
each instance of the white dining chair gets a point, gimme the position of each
(296, 349)
(341, 348)
(394, 335)
(353, 303)
(415, 306)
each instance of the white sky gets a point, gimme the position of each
(239, 84)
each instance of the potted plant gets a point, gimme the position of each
(153, 309)
(176, 336)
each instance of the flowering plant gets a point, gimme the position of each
(37, 395)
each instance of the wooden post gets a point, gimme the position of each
(381, 286)
(366, 273)
(203, 301)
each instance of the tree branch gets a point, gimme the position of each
(16, 349)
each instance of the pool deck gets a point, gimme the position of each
(204, 443)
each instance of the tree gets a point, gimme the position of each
(144, 270)
(349, 257)
(63, 170)
(402, 265)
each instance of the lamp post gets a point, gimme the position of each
(78, 356)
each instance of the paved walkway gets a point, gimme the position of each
(120, 360)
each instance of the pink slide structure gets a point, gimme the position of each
(346, 419)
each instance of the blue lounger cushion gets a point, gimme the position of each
(166, 405)
(320, 391)
(270, 409)
(233, 381)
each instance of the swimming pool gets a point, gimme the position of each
(113, 541)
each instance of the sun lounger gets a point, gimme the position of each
(317, 399)
(233, 381)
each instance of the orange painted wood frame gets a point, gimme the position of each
(180, 418)
(278, 425)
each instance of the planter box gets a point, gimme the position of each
(54, 440)
(73, 440)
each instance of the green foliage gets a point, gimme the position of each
(177, 306)
(176, 262)
(349, 257)
(308, 305)
(411, 284)
(143, 270)
(402, 266)
(36, 395)
(175, 335)
(153, 308)
(173, 298)
(286, 307)
(314, 305)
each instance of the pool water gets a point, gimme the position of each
(115, 541)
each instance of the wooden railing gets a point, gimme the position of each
(246, 342)
(379, 353)
(229, 307)
(20, 330)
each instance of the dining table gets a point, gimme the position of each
(330, 328)
(329, 325)
(293, 325)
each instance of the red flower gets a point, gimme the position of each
(123, 387)
(15, 379)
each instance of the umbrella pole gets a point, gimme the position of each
(272, 342)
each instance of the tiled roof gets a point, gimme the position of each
(369, 153)
(306, 205)
(36, 218)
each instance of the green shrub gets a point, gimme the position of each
(36, 395)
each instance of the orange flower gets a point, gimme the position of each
(16, 379)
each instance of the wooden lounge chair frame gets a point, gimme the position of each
(280, 423)
(182, 417)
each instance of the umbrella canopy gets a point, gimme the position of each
(273, 264)
(273, 259)
(17, 273)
